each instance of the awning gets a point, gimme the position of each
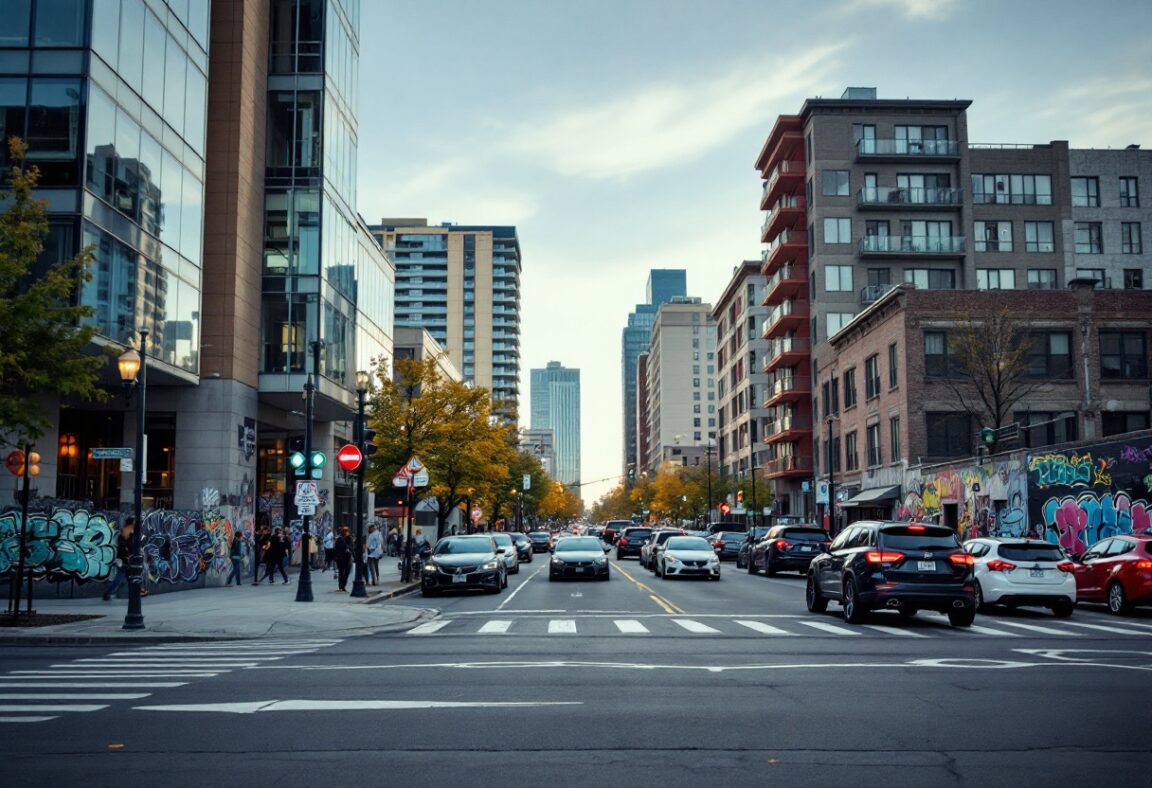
(877, 496)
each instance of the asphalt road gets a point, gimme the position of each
(635, 681)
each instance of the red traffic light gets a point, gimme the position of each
(349, 457)
(725, 508)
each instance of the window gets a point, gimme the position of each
(1044, 429)
(1041, 278)
(1092, 273)
(1117, 422)
(1038, 237)
(893, 356)
(1130, 238)
(1129, 193)
(849, 388)
(835, 396)
(826, 398)
(834, 183)
(1133, 279)
(851, 456)
(838, 278)
(837, 321)
(872, 439)
(949, 434)
(836, 454)
(1088, 238)
(894, 437)
(1012, 189)
(1123, 355)
(1086, 192)
(1050, 355)
(939, 362)
(994, 236)
(995, 279)
(872, 376)
(928, 140)
(864, 136)
(837, 231)
(931, 278)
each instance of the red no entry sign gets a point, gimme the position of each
(349, 457)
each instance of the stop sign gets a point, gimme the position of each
(349, 457)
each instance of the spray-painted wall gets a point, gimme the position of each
(989, 498)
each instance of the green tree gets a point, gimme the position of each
(613, 505)
(44, 345)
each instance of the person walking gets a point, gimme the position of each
(260, 541)
(236, 553)
(375, 553)
(329, 550)
(286, 556)
(343, 551)
(123, 558)
(274, 553)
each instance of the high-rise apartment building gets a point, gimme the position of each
(462, 283)
(663, 285)
(555, 405)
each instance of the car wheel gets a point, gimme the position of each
(768, 570)
(1063, 608)
(812, 596)
(516, 571)
(740, 564)
(1117, 599)
(962, 616)
(981, 605)
(752, 569)
(907, 611)
(853, 610)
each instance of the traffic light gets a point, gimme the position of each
(34, 463)
(367, 435)
(725, 508)
(296, 461)
(988, 435)
(317, 462)
(631, 472)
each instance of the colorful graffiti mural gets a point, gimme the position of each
(978, 500)
(64, 545)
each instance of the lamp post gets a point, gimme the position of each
(752, 470)
(304, 584)
(468, 525)
(133, 368)
(831, 505)
(358, 586)
(708, 455)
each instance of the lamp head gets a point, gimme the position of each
(362, 381)
(129, 366)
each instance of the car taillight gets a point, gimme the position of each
(916, 529)
(999, 566)
(882, 557)
(719, 545)
(1066, 566)
(781, 544)
(623, 540)
(1142, 564)
(963, 559)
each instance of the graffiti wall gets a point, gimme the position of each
(978, 500)
(1081, 496)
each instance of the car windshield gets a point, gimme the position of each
(463, 546)
(804, 534)
(688, 543)
(918, 537)
(540, 535)
(664, 536)
(519, 538)
(578, 543)
(502, 539)
(1031, 552)
(637, 533)
(728, 536)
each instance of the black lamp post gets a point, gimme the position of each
(831, 506)
(304, 583)
(708, 455)
(468, 512)
(358, 587)
(752, 468)
(134, 374)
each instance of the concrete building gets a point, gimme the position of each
(418, 343)
(540, 443)
(462, 283)
(663, 285)
(555, 405)
(681, 379)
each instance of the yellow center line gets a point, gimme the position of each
(668, 606)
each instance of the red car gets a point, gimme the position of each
(1117, 570)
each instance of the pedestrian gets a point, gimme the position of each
(274, 552)
(286, 556)
(259, 546)
(375, 553)
(419, 543)
(392, 551)
(236, 553)
(123, 558)
(329, 550)
(343, 551)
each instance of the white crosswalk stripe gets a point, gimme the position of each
(631, 627)
(1041, 630)
(985, 631)
(495, 627)
(25, 719)
(830, 628)
(79, 707)
(563, 626)
(898, 631)
(1102, 628)
(73, 695)
(429, 628)
(695, 626)
(762, 628)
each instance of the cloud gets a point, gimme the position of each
(1110, 112)
(911, 9)
(666, 124)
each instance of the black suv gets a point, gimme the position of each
(754, 535)
(630, 541)
(895, 566)
(787, 547)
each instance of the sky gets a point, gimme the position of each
(621, 135)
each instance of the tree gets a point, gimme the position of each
(44, 345)
(613, 505)
(559, 502)
(989, 374)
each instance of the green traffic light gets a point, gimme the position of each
(318, 459)
(296, 459)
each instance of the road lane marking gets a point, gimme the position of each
(25, 719)
(1041, 630)
(631, 627)
(561, 626)
(831, 629)
(1102, 628)
(73, 695)
(79, 707)
(764, 629)
(113, 674)
(349, 705)
(517, 589)
(429, 628)
(668, 608)
(19, 684)
(655, 597)
(979, 630)
(494, 628)
(896, 631)
(695, 626)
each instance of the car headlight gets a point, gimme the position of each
(713, 561)
(493, 564)
(557, 561)
(430, 567)
(671, 559)
(600, 561)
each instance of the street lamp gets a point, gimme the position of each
(358, 586)
(708, 455)
(304, 582)
(134, 374)
(468, 525)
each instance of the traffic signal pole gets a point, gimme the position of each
(304, 584)
(358, 586)
(24, 495)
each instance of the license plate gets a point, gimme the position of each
(926, 566)
(459, 578)
(807, 548)
(1035, 572)
(579, 570)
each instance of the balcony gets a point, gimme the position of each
(785, 177)
(788, 246)
(789, 388)
(787, 352)
(788, 282)
(787, 428)
(789, 315)
(887, 197)
(903, 150)
(873, 293)
(790, 465)
(787, 212)
(912, 245)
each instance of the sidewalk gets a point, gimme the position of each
(232, 612)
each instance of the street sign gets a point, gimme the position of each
(420, 479)
(14, 462)
(476, 514)
(805, 486)
(822, 492)
(527, 481)
(307, 493)
(306, 508)
(106, 453)
(399, 481)
(349, 457)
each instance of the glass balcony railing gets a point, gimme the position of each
(905, 197)
(790, 384)
(873, 147)
(789, 271)
(785, 203)
(912, 244)
(872, 293)
(777, 347)
(788, 464)
(786, 424)
(787, 167)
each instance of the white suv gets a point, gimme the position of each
(1018, 572)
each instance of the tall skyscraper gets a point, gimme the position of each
(555, 404)
(462, 283)
(663, 285)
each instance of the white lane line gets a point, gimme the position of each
(979, 630)
(349, 705)
(561, 626)
(91, 684)
(518, 588)
(831, 629)
(631, 627)
(113, 674)
(175, 660)
(695, 626)
(214, 655)
(429, 628)
(1041, 630)
(494, 628)
(1103, 628)
(1137, 624)
(764, 629)
(73, 695)
(80, 707)
(896, 631)
(25, 719)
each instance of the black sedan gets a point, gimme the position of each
(788, 548)
(541, 541)
(753, 536)
(578, 556)
(462, 563)
(523, 546)
(727, 544)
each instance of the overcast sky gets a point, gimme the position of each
(620, 135)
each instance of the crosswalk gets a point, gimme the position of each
(926, 625)
(91, 684)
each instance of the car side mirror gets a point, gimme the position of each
(501, 550)
(1085, 557)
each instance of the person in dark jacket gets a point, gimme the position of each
(274, 553)
(259, 541)
(123, 557)
(236, 553)
(343, 551)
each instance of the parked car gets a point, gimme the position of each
(507, 550)
(684, 556)
(523, 546)
(464, 562)
(751, 537)
(726, 544)
(731, 527)
(578, 556)
(631, 540)
(1018, 572)
(904, 567)
(654, 544)
(788, 547)
(541, 541)
(1117, 571)
(612, 529)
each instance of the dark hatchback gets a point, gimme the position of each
(578, 557)
(894, 566)
(726, 544)
(464, 563)
(523, 546)
(630, 541)
(787, 548)
(541, 541)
